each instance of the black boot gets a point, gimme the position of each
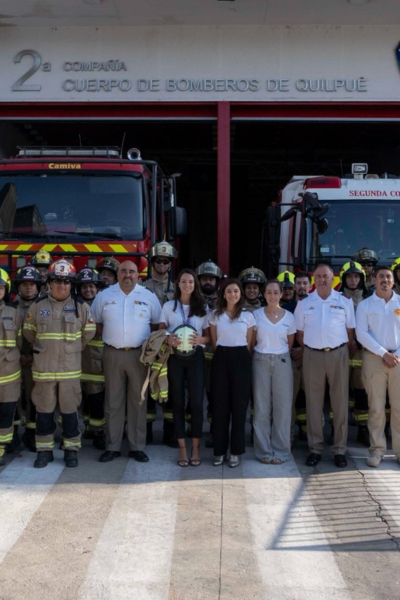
(28, 439)
(88, 434)
(43, 459)
(71, 458)
(99, 441)
(363, 435)
(169, 438)
(2, 456)
(15, 442)
(149, 432)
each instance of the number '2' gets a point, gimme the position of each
(20, 85)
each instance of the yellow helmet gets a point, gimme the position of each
(395, 264)
(41, 259)
(286, 278)
(5, 279)
(352, 267)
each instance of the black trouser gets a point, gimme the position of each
(230, 389)
(188, 369)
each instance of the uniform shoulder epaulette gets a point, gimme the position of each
(40, 298)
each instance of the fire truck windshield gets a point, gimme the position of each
(354, 225)
(60, 206)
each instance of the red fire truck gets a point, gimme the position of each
(84, 204)
(328, 219)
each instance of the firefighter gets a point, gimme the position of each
(59, 326)
(108, 269)
(87, 285)
(368, 259)
(352, 279)
(287, 280)
(42, 261)
(160, 282)
(209, 275)
(10, 368)
(253, 282)
(396, 274)
(28, 282)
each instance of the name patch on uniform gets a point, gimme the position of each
(45, 312)
(69, 308)
(397, 311)
(108, 303)
(140, 303)
(7, 318)
(337, 307)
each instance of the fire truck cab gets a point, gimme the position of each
(328, 219)
(84, 203)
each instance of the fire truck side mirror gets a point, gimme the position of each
(322, 226)
(177, 221)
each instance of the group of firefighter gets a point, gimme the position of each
(45, 324)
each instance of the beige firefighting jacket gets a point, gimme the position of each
(59, 331)
(164, 290)
(155, 353)
(10, 341)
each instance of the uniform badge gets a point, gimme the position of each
(89, 316)
(45, 312)
(397, 311)
(28, 316)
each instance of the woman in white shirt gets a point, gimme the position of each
(231, 330)
(272, 378)
(187, 308)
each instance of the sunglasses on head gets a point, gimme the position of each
(162, 261)
(64, 281)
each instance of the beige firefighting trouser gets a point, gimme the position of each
(377, 379)
(317, 367)
(9, 392)
(27, 385)
(125, 375)
(45, 395)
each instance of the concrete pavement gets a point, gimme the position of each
(154, 531)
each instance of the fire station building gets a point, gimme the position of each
(234, 96)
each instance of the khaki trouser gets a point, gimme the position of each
(377, 379)
(317, 368)
(125, 375)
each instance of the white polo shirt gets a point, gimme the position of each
(232, 333)
(378, 324)
(126, 318)
(174, 318)
(325, 322)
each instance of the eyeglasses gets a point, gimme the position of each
(62, 281)
(162, 261)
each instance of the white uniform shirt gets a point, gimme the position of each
(173, 319)
(325, 322)
(378, 324)
(272, 338)
(126, 318)
(232, 333)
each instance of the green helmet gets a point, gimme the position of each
(252, 275)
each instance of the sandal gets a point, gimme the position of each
(194, 462)
(276, 461)
(265, 461)
(183, 462)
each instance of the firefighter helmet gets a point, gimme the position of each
(395, 265)
(88, 275)
(63, 269)
(5, 280)
(287, 279)
(209, 268)
(252, 275)
(352, 267)
(366, 255)
(110, 263)
(29, 274)
(162, 249)
(41, 259)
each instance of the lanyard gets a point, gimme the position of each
(185, 319)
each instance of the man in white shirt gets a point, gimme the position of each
(325, 327)
(378, 330)
(126, 313)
